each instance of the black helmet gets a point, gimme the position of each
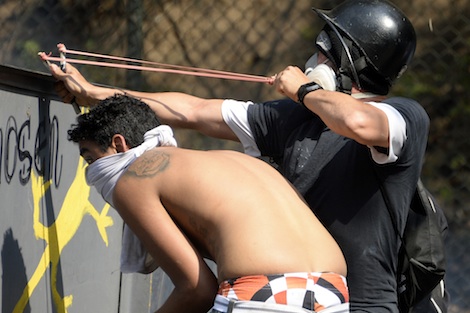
(372, 42)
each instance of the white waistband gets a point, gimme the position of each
(225, 305)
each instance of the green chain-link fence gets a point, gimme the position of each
(262, 37)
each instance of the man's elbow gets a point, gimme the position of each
(198, 299)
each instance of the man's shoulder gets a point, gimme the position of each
(409, 108)
(404, 103)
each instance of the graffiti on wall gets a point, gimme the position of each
(17, 161)
(32, 157)
(75, 206)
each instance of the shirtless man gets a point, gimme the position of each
(186, 205)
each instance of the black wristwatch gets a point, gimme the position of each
(305, 89)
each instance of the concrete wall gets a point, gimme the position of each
(61, 241)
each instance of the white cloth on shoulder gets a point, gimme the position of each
(104, 174)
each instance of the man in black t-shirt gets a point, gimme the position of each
(334, 138)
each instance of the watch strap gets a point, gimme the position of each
(306, 89)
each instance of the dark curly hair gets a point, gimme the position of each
(118, 114)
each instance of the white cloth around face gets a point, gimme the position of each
(104, 174)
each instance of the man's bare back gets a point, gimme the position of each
(187, 205)
(230, 206)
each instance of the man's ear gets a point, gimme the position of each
(119, 143)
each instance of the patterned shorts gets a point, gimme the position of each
(311, 291)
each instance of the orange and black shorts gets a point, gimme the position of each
(311, 291)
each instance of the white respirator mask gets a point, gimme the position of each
(322, 74)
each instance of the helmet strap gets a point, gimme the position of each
(347, 68)
(347, 65)
(344, 82)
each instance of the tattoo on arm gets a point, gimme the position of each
(149, 164)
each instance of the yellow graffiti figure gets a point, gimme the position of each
(75, 206)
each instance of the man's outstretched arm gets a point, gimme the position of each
(176, 109)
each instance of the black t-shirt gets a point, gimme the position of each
(336, 176)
